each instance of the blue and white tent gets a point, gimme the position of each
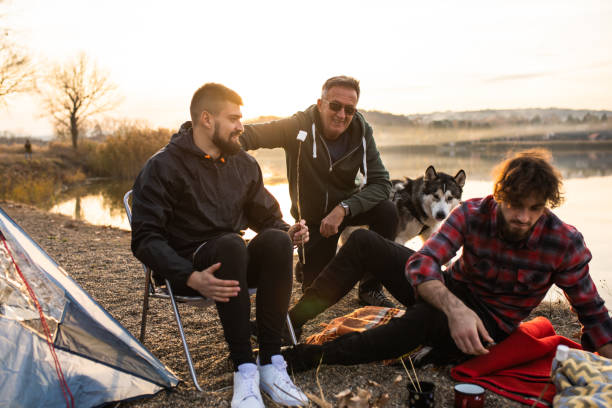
(77, 355)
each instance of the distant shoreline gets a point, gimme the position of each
(502, 146)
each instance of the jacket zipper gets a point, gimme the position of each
(344, 157)
(331, 166)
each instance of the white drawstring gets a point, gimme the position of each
(365, 163)
(314, 142)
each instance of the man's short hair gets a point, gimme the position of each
(210, 98)
(526, 173)
(342, 80)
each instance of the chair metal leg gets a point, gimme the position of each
(185, 346)
(291, 331)
(145, 304)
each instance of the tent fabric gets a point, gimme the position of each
(101, 361)
(519, 367)
(583, 379)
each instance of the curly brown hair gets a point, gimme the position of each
(526, 173)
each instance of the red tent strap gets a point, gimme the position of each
(58, 369)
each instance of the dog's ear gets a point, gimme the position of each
(430, 174)
(460, 178)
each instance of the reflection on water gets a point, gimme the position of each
(97, 202)
(588, 186)
(92, 208)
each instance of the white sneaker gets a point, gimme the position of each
(246, 387)
(275, 382)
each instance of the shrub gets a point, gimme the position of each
(33, 190)
(124, 153)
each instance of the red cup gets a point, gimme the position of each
(469, 396)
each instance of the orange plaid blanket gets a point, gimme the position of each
(361, 319)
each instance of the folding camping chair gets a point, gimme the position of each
(165, 292)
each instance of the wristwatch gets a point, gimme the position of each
(347, 210)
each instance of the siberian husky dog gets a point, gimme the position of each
(425, 202)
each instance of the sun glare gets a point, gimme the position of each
(411, 57)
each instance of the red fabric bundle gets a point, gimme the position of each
(519, 367)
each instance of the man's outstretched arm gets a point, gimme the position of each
(465, 326)
(423, 270)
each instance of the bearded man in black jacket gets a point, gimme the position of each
(191, 201)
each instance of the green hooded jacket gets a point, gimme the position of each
(323, 185)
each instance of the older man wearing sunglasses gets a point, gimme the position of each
(326, 147)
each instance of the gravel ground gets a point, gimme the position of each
(99, 259)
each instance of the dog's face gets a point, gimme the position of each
(423, 203)
(441, 193)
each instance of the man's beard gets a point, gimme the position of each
(227, 147)
(515, 234)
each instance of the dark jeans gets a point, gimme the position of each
(265, 264)
(422, 324)
(382, 219)
(364, 252)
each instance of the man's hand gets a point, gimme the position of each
(464, 324)
(330, 224)
(605, 350)
(298, 233)
(219, 290)
(466, 330)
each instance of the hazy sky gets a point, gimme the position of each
(410, 56)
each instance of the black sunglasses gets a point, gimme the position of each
(337, 106)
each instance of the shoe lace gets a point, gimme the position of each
(249, 386)
(289, 387)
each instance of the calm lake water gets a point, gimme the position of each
(587, 174)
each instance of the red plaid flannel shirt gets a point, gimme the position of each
(510, 280)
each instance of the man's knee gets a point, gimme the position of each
(384, 219)
(361, 237)
(230, 248)
(231, 242)
(277, 240)
(385, 210)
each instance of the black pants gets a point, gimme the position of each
(422, 324)
(265, 264)
(382, 219)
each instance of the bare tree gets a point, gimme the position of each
(16, 68)
(76, 91)
(16, 71)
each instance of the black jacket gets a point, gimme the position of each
(182, 198)
(323, 184)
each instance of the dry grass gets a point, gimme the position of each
(122, 155)
(99, 259)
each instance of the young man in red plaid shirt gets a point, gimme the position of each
(514, 250)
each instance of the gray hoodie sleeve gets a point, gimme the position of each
(270, 134)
